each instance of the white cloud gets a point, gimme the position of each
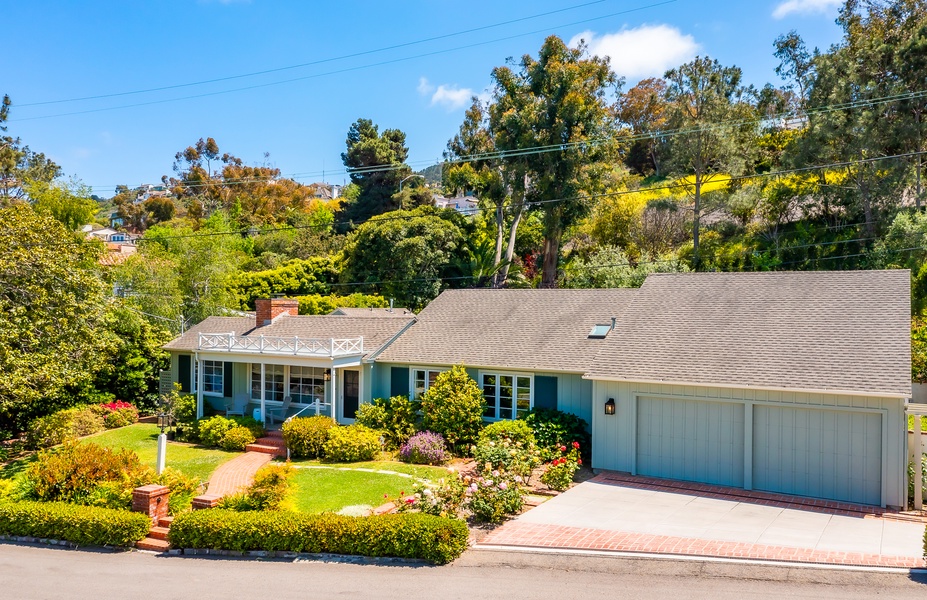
(450, 97)
(645, 51)
(804, 7)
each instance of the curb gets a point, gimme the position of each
(300, 556)
(26, 539)
(692, 558)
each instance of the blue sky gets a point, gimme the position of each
(72, 50)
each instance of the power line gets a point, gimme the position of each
(340, 71)
(317, 62)
(533, 150)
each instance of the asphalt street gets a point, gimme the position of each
(32, 572)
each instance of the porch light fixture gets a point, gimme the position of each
(327, 375)
(610, 406)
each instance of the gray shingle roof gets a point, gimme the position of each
(376, 331)
(841, 331)
(383, 313)
(516, 329)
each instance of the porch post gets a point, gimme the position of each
(199, 386)
(263, 395)
(918, 463)
(334, 409)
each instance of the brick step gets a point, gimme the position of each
(270, 441)
(273, 433)
(155, 545)
(158, 533)
(275, 450)
(165, 521)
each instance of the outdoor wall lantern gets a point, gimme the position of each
(610, 406)
(327, 376)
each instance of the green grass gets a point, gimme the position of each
(330, 490)
(911, 423)
(143, 440)
(420, 471)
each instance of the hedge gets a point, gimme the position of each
(84, 525)
(405, 535)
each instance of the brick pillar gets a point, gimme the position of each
(151, 500)
(206, 501)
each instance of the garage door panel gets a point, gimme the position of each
(828, 454)
(691, 440)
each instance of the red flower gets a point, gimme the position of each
(579, 461)
(576, 445)
(402, 493)
(563, 448)
(386, 495)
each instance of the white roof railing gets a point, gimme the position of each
(296, 346)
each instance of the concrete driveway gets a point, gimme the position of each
(604, 514)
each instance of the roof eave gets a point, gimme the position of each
(832, 392)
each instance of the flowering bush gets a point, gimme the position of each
(497, 451)
(352, 443)
(453, 406)
(306, 436)
(553, 428)
(494, 497)
(119, 414)
(425, 448)
(559, 473)
(396, 417)
(236, 439)
(213, 429)
(62, 426)
(268, 491)
(442, 500)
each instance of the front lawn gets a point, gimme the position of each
(142, 439)
(330, 488)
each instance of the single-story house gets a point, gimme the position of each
(783, 382)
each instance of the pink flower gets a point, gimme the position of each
(563, 448)
(386, 495)
(410, 500)
(576, 445)
(502, 486)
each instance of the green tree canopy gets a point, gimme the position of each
(376, 164)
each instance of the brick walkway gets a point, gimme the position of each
(237, 473)
(554, 536)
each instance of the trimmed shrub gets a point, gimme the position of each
(184, 408)
(435, 539)
(352, 443)
(213, 429)
(553, 428)
(453, 406)
(73, 472)
(268, 491)
(425, 448)
(254, 426)
(514, 431)
(236, 438)
(64, 425)
(396, 417)
(306, 436)
(84, 525)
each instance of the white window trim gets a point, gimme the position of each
(195, 369)
(427, 370)
(513, 374)
(325, 402)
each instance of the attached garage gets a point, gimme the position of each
(792, 383)
(691, 440)
(829, 454)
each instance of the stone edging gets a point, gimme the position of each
(53, 542)
(321, 557)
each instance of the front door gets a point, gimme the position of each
(350, 390)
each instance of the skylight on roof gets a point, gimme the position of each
(599, 332)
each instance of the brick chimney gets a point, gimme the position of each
(268, 309)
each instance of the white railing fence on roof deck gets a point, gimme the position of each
(297, 346)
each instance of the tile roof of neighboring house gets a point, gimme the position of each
(839, 331)
(375, 331)
(373, 312)
(534, 330)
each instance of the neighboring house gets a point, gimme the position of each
(327, 191)
(465, 205)
(782, 382)
(525, 348)
(147, 191)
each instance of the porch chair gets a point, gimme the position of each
(274, 413)
(238, 406)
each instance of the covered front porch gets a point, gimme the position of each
(276, 378)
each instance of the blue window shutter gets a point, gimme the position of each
(399, 381)
(545, 391)
(227, 383)
(183, 372)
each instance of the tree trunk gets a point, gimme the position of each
(510, 248)
(917, 197)
(552, 234)
(696, 217)
(500, 232)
